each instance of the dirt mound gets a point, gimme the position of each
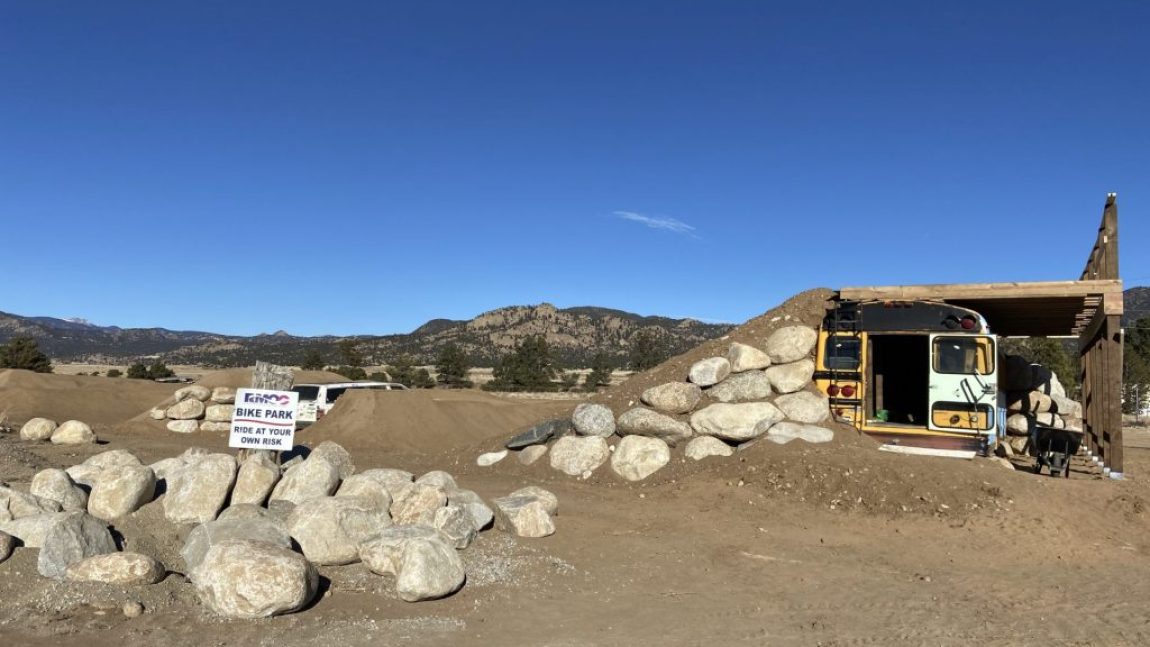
(426, 421)
(98, 401)
(805, 308)
(238, 378)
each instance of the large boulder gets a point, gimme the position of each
(223, 395)
(637, 457)
(189, 409)
(735, 422)
(121, 490)
(123, 569)
(579, 455)
(1028, 402)
(644, 422)
(314, 477)
(804, 406)
(265, 530)
(673, 397)
(37, 429)
(55, 485)
(791, 344)
(438, 478)
(336, 455)
(709, 371)
(742, 387)
(363, 486)
(701, 447)
(210, 427)
(1046, 419)
(7, 545)
(425, 565)
(480, 512)
(219, 412)
(1018, 424)
(456, 524)
(593, 420)
(541, 433)
(784, 432)
(32, 530)
(747, 358)
(248, 579)
(255, 479)
(113, 458)
(15, 504)
(76, 536)
(550, 501)
(183, 426)
(73, 432)
(392, 480)
(197, 492)
(788, 378)
(192, 392)
(330, 529)
(527, 516)
(417, 503)
(1065, 406)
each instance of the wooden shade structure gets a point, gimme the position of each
(1089, 308)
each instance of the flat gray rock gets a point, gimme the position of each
(540, 433)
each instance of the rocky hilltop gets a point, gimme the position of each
(575, 335)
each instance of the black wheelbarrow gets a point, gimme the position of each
(1053, 448)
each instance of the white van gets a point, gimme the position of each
(315, 400)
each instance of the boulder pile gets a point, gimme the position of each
(723, 403)
(197, 408)
(71, 432)
(1034, 396)
(257, 531)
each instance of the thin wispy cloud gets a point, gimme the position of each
(660, 222)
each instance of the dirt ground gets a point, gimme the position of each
(838, 545)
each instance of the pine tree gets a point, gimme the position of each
(452, 366)
(422, 379)
(23, 352)
(403, 371)
(647, 350)
(349, 352)
(138, 371)
(529, 368)
(600, 374)
(312, 361)
(159, 370)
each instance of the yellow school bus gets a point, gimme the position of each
(912, 373)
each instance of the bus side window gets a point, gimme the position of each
(963, 355)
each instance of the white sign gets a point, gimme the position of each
(263, 419)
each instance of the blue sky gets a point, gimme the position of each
(362, 167)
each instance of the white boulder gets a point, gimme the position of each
(709, 371)
(247, 579)
(576, 455)
(593, 420)
(673, 397)
(637, 457)
(791, 344)
(788, 378)
(747, 358)
(735, 422)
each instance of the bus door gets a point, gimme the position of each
(963, 389)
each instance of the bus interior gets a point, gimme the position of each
(899, 367)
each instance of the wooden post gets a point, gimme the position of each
(274, 378)
(1112, 340)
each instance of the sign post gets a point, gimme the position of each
(264, 419)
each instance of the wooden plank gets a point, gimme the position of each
(927, 451)
(1010, 290)
(1113, 377)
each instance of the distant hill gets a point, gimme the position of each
(575, 335)
(1135, 305)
